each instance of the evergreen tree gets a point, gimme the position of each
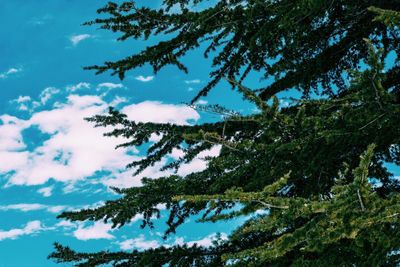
(326, 205)
(304, 44)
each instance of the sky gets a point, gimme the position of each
(51, 160)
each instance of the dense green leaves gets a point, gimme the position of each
(299, 164)
(316, 212)
(303, 44)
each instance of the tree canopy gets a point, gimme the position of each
(303, 44)
(318, 166)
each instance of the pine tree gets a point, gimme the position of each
(304, 44)
(317, 166)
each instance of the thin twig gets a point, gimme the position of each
(369, 123)
(360, 200)
(270, 205)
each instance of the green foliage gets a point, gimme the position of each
(353, 213)
(303, 44)
(300, 164)
(319, 214)
(388, 17)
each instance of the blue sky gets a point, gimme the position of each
(50, 159)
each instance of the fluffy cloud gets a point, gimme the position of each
(98, 230)
(144, 79)
(47, 94)
(30, 228)
(46, 191)
(139, 243)
(76, 87)
(11, 145)
(72, 149)
(76, 39)
(75, 149)
(118, 100)
(153, 111)
(22, 102)
(22, 99)
(110, 85)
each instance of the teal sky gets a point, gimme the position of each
(51, 160)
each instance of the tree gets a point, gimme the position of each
(327, 205)
(303, 44)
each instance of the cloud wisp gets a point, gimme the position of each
(195, 81)
(76, 39)
(99, 230)
(141, 243)
(27, 207)
(32, 227)
(109, 86)
(79, 86)
(9, 72)
(144, 79)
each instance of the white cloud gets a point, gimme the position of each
(24, 103)
(139, 243)
(195, 81)
(73, 149)
(11, 145)
(12, 70)
(202, 102)
(47, 94)
(10, 135)
(110, 85)
(76, 87)
(76, 39)
(22, 99)
(9, 72)
(118, 100)
(56, 209)
(23, 107)
(125, 179)
(26, 207)
(177, 153)
(154, 111)
(30, 228)
(98, 230)
(46, 191)
(198, 163)
(144, 79)
(23, 207)
(66, 224)
(207, 241)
